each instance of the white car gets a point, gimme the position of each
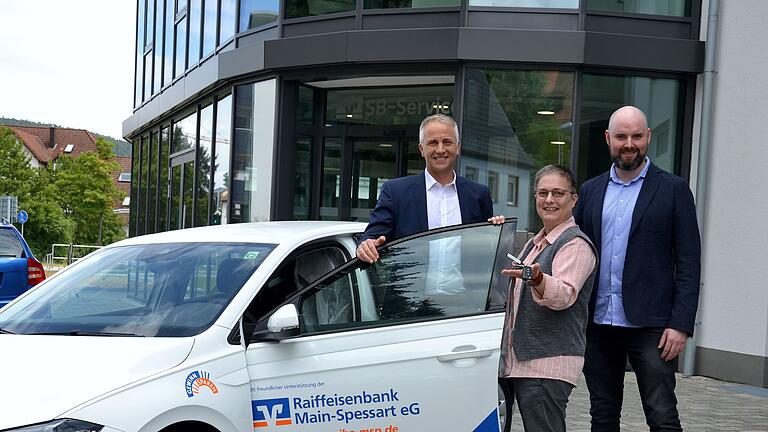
(145, 334)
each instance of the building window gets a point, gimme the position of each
(168, 47)
(515, 122)
(227, 20)
(195, 22)
(124, 177)
(222, 148)
(253, 146)
(660, 98)
(203, 176)
(560, 4)
(209, 26)
(493, 185)
(512, 190)
(69, 148)
(471, 174)
(387, 4)
(256, 13)
(678, 8)
(303, 8)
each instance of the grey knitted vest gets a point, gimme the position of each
(541, 332)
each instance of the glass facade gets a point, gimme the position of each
(254, 137)
(561, 4)
(678, 8)
(304, 8)
(515, 122)
(212, 161)
(661, 99)
(256, 13)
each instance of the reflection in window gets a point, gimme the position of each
(388, 105)
(659, 98)
(562, 4)
(435, 276)
(512, 190)
(162, 197)
(141, 21)
(135, 164)
(185, 133)
(471, 174)
(303, 179)
(168, 53)
(209, 26)
(195, 14)
(227, 21)
(181, 48)
(158, 79)
(221, 161)
(493, 185)
(203, 179)
(678, 8)
(256, 13)
(388, 4)
(303, 8)
(515, 122)
(143, 169)
(152, 182)
(254, 137)
(305, 108)
(331, 181)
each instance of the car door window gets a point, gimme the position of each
(10, 246)
(442, 274)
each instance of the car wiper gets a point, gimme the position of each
(86, 333)
(6, 331)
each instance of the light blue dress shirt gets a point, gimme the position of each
(618, 205)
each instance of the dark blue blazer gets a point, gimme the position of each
(402, 207)
(662, 267)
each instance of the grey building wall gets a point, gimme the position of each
(733, 334)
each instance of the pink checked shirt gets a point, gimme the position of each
(570, 268)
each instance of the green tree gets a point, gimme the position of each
(87, 193)
(47, 223)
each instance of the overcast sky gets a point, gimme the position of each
(68, 62)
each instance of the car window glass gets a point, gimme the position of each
(443, 274)
(10, 246)
(295, 274)
(176, 289)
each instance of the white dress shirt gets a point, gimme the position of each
(444, 274)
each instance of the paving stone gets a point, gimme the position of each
(705, 405)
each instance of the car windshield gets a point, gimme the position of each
(166, 290)
(9, 244)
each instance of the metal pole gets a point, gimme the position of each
(702, 172)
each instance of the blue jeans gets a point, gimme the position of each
(608, 349)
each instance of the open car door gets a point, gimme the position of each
(409, 343)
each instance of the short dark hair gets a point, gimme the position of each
(556, 169)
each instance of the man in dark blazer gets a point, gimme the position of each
(437, 197)
(643, 222)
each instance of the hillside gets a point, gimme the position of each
(120, 147)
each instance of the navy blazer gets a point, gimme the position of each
(662, 267)
(402, 207)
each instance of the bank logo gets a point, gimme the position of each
(268, 412)
(198, 379)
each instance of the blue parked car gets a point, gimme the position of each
(19, 270)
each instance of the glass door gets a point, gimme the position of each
(182, 183)
(374, 161)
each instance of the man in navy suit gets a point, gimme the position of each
(643, 222)
(436, 198)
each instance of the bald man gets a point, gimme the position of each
(642, 221)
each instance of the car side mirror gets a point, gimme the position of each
(285, 318)
(282, 324)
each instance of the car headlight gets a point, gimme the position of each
(62, 425)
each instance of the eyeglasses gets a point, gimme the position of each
(556, 193)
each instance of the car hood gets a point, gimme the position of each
(43, 377)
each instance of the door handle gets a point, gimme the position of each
(465, 352)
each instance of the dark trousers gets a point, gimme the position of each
(608, 349)
(541, 403)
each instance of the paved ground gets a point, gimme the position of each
(706, 405)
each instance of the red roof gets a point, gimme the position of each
(80, 139)
(34, 145)
(38, 141)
